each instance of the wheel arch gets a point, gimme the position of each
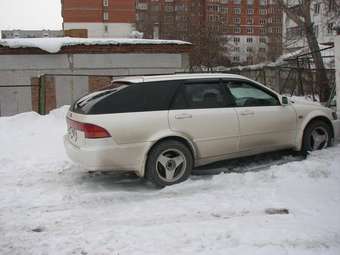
(180, 138)
(310, 120)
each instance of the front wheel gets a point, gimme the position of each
(317, 136)
(168, 163)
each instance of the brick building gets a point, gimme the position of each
(251, 29)
(99, 18)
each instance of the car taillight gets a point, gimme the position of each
(91, 131)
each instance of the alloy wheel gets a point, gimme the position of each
(171, 165)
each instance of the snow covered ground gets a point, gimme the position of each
(50, 206)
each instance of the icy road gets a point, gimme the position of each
(50, 206)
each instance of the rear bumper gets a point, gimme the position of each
(108, 157)
(336, 126)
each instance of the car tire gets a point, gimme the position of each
(169, 162)
(317, 136)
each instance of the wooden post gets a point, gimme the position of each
(300, 84)
(42, 95)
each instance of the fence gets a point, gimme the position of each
(288, 80)
(50, 91)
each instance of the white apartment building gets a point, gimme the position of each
(325, 15)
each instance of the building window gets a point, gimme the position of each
(237, 20)
(106, 28)
(250, 11)
(277, 20)
(169, 8)
(262, 21)
(249, 49)
(106, 16)
(237, 30)
(263, 40)
(237, 49)
(236, 58)
(262, 30)
(250, 30)
(106, 3)
(236, 39)
(237, 1)
(277, 30)
(237, 11)
(331, 5)
(262, 2)
(249, 39)
(330, 28)
(316, 8)
(250, 21)
(263, 11)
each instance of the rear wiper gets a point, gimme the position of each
(89, 99)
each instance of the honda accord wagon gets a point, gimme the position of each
(161, 127)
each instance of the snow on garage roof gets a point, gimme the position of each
(54, 45)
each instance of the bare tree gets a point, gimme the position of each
(188, 22)
(209, 46)
(301, 15)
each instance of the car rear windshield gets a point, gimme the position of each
(155, 96)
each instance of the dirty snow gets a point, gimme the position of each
(54, 45)
(48, 205)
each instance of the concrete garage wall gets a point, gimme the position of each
(69, 89)
(14, 99)
(19, 69)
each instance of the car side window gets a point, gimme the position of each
(200, 95)
(248, 95)
(153, 96)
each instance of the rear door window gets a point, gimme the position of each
(200, 95)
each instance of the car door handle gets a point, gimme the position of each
(183, 116)
(247, 113)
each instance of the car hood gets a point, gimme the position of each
(299, 101)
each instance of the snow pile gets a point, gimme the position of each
(50, 206)
(54, 45)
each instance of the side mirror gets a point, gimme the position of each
(284, 100)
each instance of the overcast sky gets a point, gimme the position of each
(30, 14)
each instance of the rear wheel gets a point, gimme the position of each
(317, 136)
(168, 163)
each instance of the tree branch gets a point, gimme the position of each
(291, 14)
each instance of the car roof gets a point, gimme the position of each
(187, 76)
(169, 77)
